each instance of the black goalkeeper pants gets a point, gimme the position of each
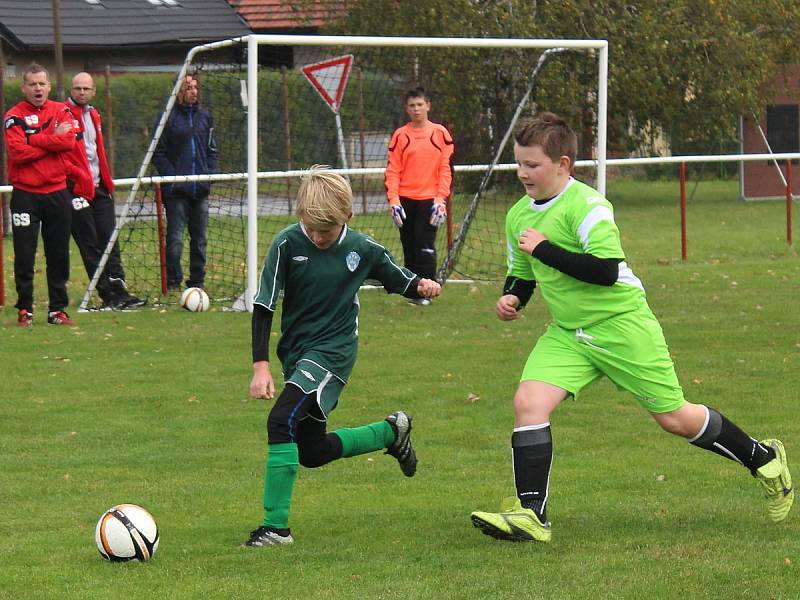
(418, 238)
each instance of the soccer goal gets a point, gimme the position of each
(282, 103)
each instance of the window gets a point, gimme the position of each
(783, 128)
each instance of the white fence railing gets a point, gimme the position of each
(618, 162)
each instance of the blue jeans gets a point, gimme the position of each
(183, 211)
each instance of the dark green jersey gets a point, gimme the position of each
(320, 287)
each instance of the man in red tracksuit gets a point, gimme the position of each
(38, 131)
(93, 211)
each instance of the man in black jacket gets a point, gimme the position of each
(187, 147)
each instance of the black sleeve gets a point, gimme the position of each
(586, 267)
(261, 326)
(411, 290)
(521, 288)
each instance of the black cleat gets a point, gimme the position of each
(401, 448)
(266, 536)
(131, 301)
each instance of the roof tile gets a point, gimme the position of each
(282, 14)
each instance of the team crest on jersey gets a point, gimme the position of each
(32, 119)
(352, 261)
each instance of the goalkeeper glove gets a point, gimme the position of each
(438, 213)
(398, 214)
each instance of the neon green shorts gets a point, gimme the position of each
(312, 377)
(629, 349)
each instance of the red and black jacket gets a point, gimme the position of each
(35, 161)
(78, 154)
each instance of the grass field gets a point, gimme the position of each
(152, 408)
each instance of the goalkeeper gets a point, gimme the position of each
(418, 178)
(562, 236)
(319, 265)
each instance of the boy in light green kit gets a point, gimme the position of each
(319, 264)
(562, 237)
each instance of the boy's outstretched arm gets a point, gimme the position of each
(262, 385)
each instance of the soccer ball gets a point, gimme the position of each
(126, 532)
(195, 299)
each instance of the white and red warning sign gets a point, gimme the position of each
(329, 78)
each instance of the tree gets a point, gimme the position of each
(688, 68)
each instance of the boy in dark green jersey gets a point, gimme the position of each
(319, 265)
(561, 235)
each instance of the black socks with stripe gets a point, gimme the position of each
(532, 449)
(721, 436)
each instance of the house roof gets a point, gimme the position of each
(276, 15)
(29, 24)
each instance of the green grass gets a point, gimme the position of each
(152, 408)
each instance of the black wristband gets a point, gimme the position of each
(521, 288)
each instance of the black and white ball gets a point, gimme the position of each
(195, 299)
(126, 532)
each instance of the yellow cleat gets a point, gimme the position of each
(776, 480)
(513, 523)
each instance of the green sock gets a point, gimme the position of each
(279, 476)
(369, 438)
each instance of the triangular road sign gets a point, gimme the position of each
(329, 78)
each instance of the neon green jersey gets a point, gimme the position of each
(580, 220)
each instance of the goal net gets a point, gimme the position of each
(283, 103)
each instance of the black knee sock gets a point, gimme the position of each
(724, 438)
(533, 455)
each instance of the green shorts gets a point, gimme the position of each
(312, 377)
(629, 349)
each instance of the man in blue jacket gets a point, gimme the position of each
(187, 147)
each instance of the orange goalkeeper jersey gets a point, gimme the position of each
(419, 163)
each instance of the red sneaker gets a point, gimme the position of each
(59, 317)
(25, 318)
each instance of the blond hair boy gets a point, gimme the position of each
(319, 264)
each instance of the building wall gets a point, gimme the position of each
(760, 179)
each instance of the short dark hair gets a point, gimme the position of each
(549, 131)
(417, 92)
(34, 68)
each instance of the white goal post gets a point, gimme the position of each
(401, 42)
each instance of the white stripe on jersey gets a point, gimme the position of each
(394, 264)
(595, 216)
(626, 276)
(273, 301)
